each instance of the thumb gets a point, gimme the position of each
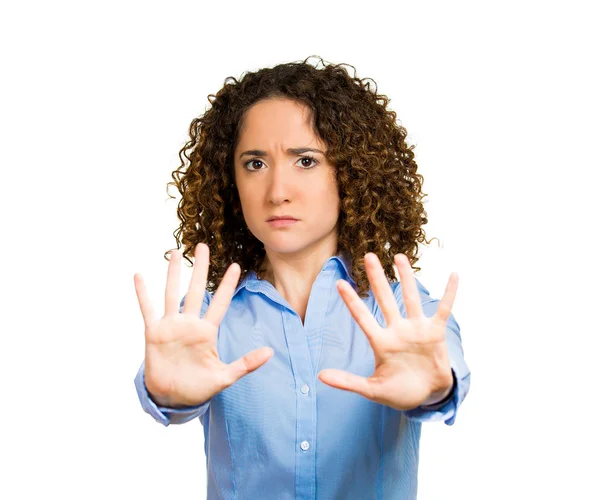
(248, 363)
(347, 381)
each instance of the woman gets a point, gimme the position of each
(310, 366)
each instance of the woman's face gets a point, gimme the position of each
(272, 180)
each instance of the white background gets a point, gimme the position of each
(501, 101)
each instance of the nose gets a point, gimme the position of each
(280, 183)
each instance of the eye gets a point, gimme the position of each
(251, 161)
(309, 158)
(306, 157)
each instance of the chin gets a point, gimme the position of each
(284, 248)
(279, 245)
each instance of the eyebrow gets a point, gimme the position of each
(291, 151)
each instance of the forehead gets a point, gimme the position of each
(278, 120)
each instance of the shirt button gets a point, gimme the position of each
(304, 445)
(305, 389)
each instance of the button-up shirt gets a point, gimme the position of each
(279, 432)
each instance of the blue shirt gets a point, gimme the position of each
(279, 432)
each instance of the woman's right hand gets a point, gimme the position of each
(182, 365)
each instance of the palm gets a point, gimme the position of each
(182, 358)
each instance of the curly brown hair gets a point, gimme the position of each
(381, 209)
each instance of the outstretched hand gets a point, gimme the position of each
(412, 365)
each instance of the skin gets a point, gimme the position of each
(280, 183)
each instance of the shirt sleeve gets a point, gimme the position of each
(461, 374)
(163, 414)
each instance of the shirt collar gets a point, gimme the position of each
(341, 262)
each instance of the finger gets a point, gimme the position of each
(222, 297)
(347, 381)
(360, 312)
(410, 291)
(382, 290)
(172, 289)
(444, 307)
(195, 295)
(248, 363)
(143, 300)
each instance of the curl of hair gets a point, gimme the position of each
(381, 209)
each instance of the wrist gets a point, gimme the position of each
(441, 396)
(165, 402)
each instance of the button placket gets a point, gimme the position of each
(302, 370)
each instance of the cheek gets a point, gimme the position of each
(253, 211)
(248, 197)
(327, 201)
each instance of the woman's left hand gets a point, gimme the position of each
(412, 366)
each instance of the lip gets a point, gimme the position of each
(282, 222)
(282, 217)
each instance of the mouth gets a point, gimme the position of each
(282, 222)
(273, 219)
